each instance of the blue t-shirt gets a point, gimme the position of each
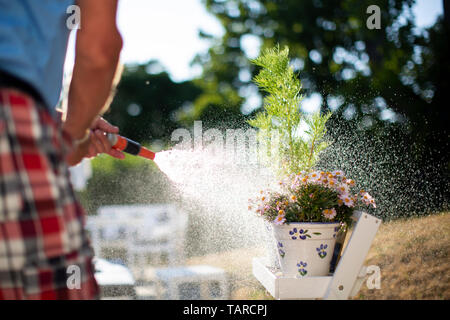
(33, 43)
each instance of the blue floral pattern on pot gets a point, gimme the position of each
(336, 229)
(280, 250)
(299, 233)
(321, 251)
(301, 268)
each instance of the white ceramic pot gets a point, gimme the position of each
(305, 249)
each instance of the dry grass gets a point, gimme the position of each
(413, 256)
(238, 265)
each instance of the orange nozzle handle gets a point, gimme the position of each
(146, 153)
(129, 146)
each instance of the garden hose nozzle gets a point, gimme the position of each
(129, 146)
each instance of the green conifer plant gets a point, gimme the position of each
(295, 150)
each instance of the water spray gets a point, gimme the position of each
(129, 146)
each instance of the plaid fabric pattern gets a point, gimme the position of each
(41, 223)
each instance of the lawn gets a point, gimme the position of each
(413, 255)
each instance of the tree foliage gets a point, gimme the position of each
(148, 105)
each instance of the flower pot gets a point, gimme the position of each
(305, 249)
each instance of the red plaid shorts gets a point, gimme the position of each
(45, 252)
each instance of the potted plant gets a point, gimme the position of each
(306, 215)
(309, 207)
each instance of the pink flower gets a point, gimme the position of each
(367, 199)
(343, 189)
(338, 173)
(280, 219)
(261, 209)
(347, 200)
(314, 176)
(350, 182)
(329, 213)
(332, 182)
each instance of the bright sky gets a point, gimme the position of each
(426, 12)
(168, 31)
(163, 30)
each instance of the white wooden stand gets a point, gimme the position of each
(346, 280)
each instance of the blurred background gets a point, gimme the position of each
(188, 60)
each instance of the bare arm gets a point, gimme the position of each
(97, 52)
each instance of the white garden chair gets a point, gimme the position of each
(155, 229)
(346, 280)
(162, 233)
(107, 232)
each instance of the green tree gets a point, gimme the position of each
(148, 103)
